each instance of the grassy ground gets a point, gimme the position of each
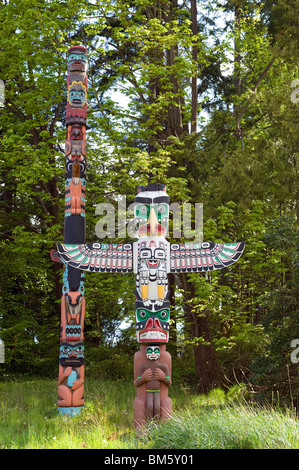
(29, 420)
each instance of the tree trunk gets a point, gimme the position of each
(207, 370)
(175, 125)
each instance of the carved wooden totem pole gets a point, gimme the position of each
(71, 357)
(150, 258)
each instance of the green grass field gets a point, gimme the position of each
(29, 420)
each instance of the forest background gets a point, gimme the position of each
(203, 96)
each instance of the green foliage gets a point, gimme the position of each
(28, 315)
(115, 368)
(281, 322)
(183, 371)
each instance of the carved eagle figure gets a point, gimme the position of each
(152, 257)
(123, 257)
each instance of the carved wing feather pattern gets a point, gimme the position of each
(97, 257)
(195, 257)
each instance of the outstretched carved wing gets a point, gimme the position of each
(98, 257)
(188, 257)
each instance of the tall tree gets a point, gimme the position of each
(167, 51)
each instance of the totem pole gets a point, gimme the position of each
(150, 258)
(71, 356)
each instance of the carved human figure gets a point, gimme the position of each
(152, 379)
(75, 145)
(71, 375)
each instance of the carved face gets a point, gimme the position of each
(151, 211)
(152, 326)
(152, 254)
(153, 353)
(77, 95)
(74, 304)
(77, 59)
(71, 355)
(152, 322)
(76, 133)
(74, 311)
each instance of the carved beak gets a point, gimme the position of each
(153, 221)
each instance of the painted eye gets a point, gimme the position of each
(156, 350)
(159, 254)
(143, 209)
(161, 209)
(145, 253)
(142, 314)
(149, 351)
(163, 314)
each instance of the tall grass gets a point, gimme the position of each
(29, 420)
(227, 427)
(29, 417)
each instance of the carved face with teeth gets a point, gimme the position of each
(152, 322)
(76, 94)
(152, 210)
(71, 354)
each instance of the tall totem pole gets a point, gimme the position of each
(151, 259)
(71, 355)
